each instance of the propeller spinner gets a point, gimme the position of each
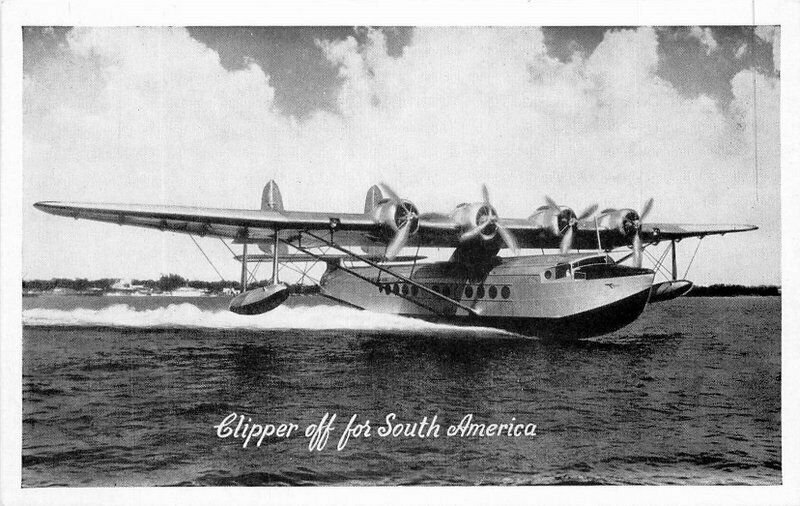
(630, 225)
(487, 224)
(565, 222)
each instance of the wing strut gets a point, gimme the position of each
(244, 267)
(674, 262)
(398, 276)
(275, 258)
(359, 276)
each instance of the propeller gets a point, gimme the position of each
(637, 240)
(488, 221)
(569, 219)
(406, 217)
(631, 224)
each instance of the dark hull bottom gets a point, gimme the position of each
(596, 322)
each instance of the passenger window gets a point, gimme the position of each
(446, 290)
(414, 290)
(468, 292)
(405, 289)
(481, 292)
(493, 292)
(562, 270)
(396, 289)
(505, 292)
(548, 274)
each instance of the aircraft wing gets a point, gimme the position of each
(350, 229)
(239, 224)
(672, 231)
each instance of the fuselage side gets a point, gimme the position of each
(547, 295)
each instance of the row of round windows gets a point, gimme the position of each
(480, 291)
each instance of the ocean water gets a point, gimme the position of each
(126, 391)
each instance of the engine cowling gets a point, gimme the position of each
(625, 221)
(394, 214)
(477, 221)
(556, 222)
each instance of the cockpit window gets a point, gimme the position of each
(590, 261)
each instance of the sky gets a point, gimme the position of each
(206, 116)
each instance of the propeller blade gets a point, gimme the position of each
(646, 209)
(475, 232)
(508, 238)
(588, 212)
(389, 192)
(607, 210)
(637, 250)
(485, 193)
(398, 241)
(552, 204)
(566, 242)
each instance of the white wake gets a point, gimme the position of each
(186, 315)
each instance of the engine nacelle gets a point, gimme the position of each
(546, 218)
(476, 220)
(394, 214)
(625, 221)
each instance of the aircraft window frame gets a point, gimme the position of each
(548, 274)
(481, 292)
(505, 292)
(598, 260)
(562, 271)
(492, 292)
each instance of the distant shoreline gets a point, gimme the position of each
(106, 287)
(735, 291)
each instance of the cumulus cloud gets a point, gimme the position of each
(705, 36)
(772, 35)
(150, 115)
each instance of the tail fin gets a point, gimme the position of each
(374, 196)
(271, 197)
(271, 200)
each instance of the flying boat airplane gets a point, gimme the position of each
(565, 295)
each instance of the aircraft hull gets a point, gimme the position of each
(514, 294)
(595, 322)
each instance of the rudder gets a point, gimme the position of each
(374, 196)
(271, 200)
(271, 197)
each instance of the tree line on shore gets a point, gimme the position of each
(723, 290)
(165, 283)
